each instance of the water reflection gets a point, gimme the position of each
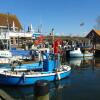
(81, 62)
(83, 83)
(85, 79)
(27, 92)
(16, 93)
(56, 89)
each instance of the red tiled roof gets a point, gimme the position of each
(11, 18)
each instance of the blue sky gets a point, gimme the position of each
(64, 16)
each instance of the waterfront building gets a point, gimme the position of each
(94, 36)
(11, 28)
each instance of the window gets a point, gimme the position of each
(16, 39)
(11, 40)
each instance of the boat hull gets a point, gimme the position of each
(31, 79)
(78, 53)
(81, 55)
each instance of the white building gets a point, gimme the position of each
(11, 29)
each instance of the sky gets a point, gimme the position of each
(65, 16)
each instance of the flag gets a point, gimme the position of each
(57, 42)
(82, 24)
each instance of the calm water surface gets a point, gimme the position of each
(82, 84)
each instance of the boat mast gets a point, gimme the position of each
(7, 34)
(52, 33)
(8, 22)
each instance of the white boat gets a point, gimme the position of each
(5, 54)
(5, 45)
(78, 53)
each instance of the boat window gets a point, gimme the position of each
(75, 48)
(11, 40)
(16, 39)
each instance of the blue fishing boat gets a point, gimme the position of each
(21, 67)
(51, 71)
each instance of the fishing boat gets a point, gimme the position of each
(51, 71)
(78, 53)
(18, 66)
(29, 78)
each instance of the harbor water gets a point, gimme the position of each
(82, 84)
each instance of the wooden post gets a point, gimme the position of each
(41, 90)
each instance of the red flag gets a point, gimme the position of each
(56, 47)
(57, 42)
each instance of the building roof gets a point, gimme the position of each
(97, 31)
(8, 18)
